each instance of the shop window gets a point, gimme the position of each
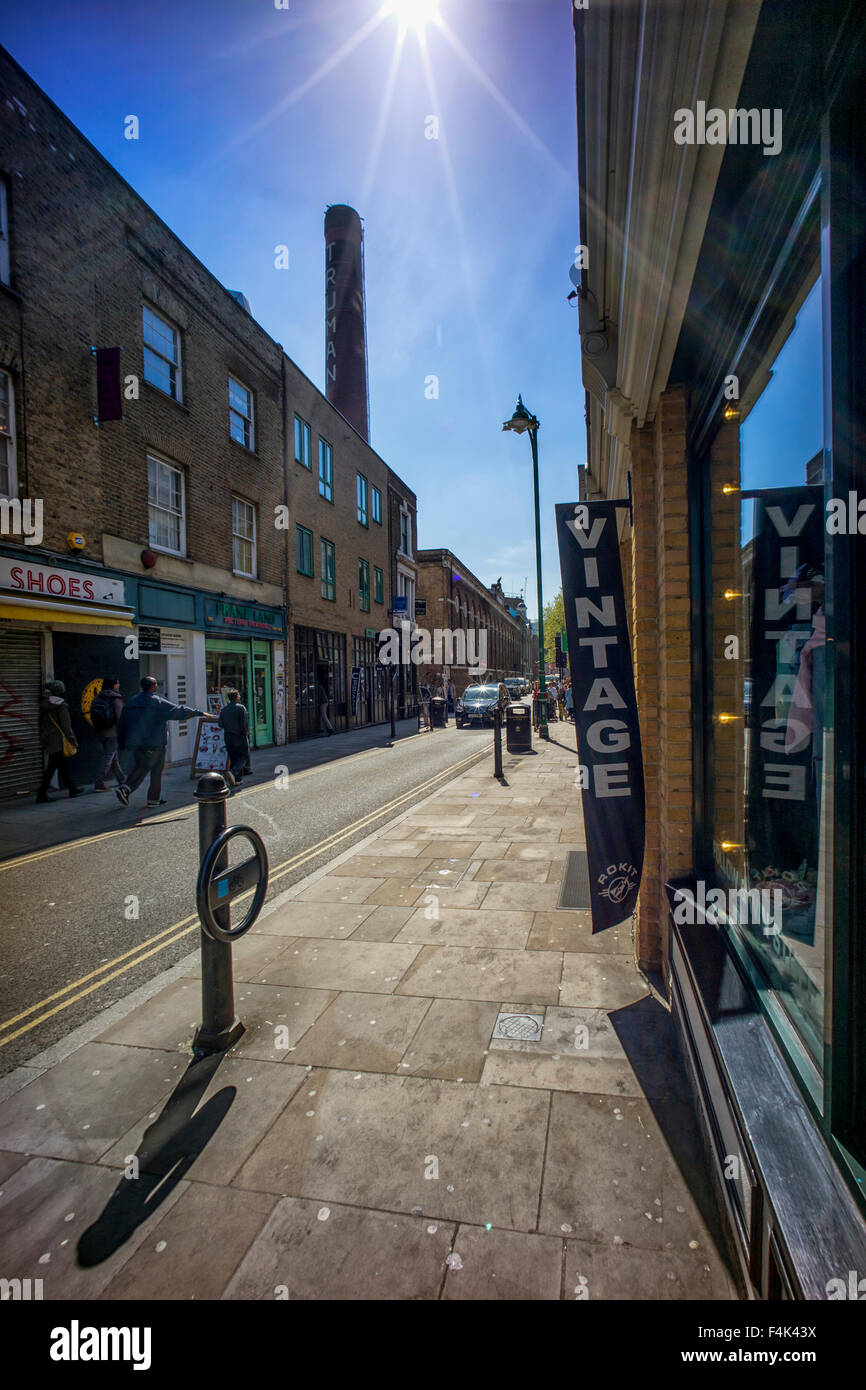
(326, 471)
(302, 442)
(161, 353)
(770, 789)
(364, 585)
(329, 571)
(241, 414)
(243, 537)
(166, 503)
(304, 550)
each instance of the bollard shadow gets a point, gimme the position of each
(649, 1038)
(167, 1151)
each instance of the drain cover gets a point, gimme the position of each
(574, 889)
(519, 1027)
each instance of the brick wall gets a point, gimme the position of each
(661, 610)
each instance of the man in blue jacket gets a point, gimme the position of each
(142, 732)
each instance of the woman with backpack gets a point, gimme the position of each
(105, 712)
(57, 739)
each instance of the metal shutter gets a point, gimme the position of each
(20, 690)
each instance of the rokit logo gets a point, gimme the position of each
(617, 882)
(76, 1343)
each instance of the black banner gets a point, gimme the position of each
(356, 682)
(108, 394)
(605, 707)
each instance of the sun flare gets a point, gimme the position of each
(414, 14)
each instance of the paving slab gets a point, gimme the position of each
(180, 1259)
(253, 952)
(397, 892)
(211, 1121)
(338, 890)
(457, 926)
(382, 924)
(368, 965)
(522, 897)
(399, 847)
(78, 1108)
(453, 972)
(510, 1265)
(10, 1163)
(601, 981)
(309, 1250)
(371, 1139)
(297, 918)
(609, 1175)
(629, 1272)
(565, 930)
(366, 1031)
(451, 1043)
(381, 866)
(49, 1205)
(513, 870)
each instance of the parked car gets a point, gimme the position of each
(477, 703)
(515, 687)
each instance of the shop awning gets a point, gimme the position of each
(12, 606)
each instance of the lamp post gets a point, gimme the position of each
(520, 422)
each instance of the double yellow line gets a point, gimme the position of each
(178, 930)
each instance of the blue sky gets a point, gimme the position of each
(252, 120)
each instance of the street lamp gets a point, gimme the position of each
(520, 422)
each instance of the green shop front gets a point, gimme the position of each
(241, 640)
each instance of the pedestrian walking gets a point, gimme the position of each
(142, 732)
(234, 721)
(105, 712)
(452, 697)
(569, 702)
(535, 697)
(57, 739)
(325, 725)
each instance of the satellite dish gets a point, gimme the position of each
(574, 275)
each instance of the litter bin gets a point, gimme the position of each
(438, 712)
(518, 728)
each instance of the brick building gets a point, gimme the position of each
(722, 337)
(229, 490)
(455, 602)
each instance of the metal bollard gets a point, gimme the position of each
(497, 742)
(220, 1026)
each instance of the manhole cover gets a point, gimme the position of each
(519, 1027)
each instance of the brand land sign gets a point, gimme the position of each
(605, 707)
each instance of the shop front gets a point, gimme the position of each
(320, 662)
(240, 640)
(369, 682)
(56, 622)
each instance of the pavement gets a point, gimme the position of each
(369, 1137)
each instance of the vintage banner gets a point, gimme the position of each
(605, 707)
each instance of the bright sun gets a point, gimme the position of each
(414, 14)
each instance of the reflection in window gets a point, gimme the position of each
(772, 733)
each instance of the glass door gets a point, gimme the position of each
(261, 714)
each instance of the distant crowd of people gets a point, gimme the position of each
(133, 738)
(560, 700)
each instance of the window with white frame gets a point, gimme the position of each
(161, 353)
(166, 506)
(406, 533)
(8, 469)
(241, 414)
(5, 260)
(243, 537)
(406, 588)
